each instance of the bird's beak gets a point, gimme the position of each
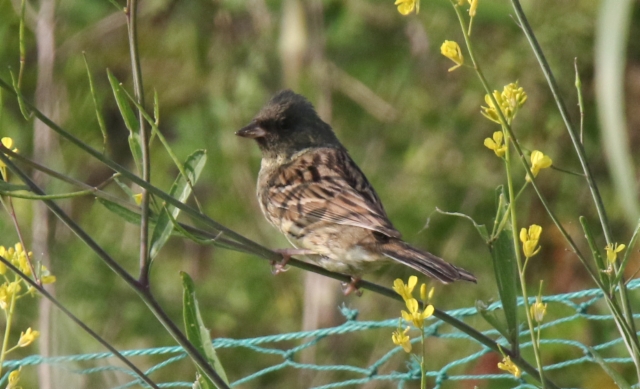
(253, 131)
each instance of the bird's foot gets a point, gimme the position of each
(351, 287)
(278, 267)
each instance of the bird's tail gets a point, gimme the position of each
(425, 262)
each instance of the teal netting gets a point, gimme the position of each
(579, 305)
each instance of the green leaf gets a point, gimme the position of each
(481, 228)
(198, 334)
(136, 149)
(127, 214)
(597, 257)
(101, 124)
(129, 117)
(505, 267)
(178, 230)
(7, 187)
(492, 318)
(617, 378)
(181, 189)
(124, 187)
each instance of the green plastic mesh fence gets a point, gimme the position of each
(580, 305)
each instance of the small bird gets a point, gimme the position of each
(312, 191)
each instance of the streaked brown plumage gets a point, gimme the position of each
(313, 192)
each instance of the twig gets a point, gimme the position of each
(79, 322)
(141, 289)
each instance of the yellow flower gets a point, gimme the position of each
(509, 100)
(46, 277)
(7, 291)
(8, 143)
(405, 290)
(14, 287)
(451, 50)
(538, 309)
(14, 379)
(509, 366)
(539, 161)
(405, 7)
(490, 112)
(28, 337)
(23, 262)
(416, 316)
(3, 254)
(473, 7)
(424, 296)
(496, 144)
(137, 198)
(5, 297)
(530, 240)
(400, 338)
(612, 250)
(514, 96)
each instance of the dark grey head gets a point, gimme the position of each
(287, 124)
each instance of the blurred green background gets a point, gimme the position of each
(379, 79)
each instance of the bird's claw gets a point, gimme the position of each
(278, 267)
(351, 287)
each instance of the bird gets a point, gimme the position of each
(311, 190)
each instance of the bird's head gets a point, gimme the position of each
(287, 124)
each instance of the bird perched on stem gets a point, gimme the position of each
(312, 191)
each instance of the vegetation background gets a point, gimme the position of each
(379, 79)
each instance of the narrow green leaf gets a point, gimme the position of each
(181, 190)
(506, 270)
(136, 149)
(198, 334)
(481, 228)
(103, 127)
(178, 230)
(597, 257)
(7, 187)
(124, 187)
(128, 215)
(118, 6)
(504, 265)
(617, 378)
(59, 196)
(129, 117)
(492, 318)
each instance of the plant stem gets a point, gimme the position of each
(553, 86)
(523, 284)
(132, 28)
(7, 330)
(423, 376)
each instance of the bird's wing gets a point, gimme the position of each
(325, 185)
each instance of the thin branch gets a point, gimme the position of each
(141, 289)
(79, 322)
